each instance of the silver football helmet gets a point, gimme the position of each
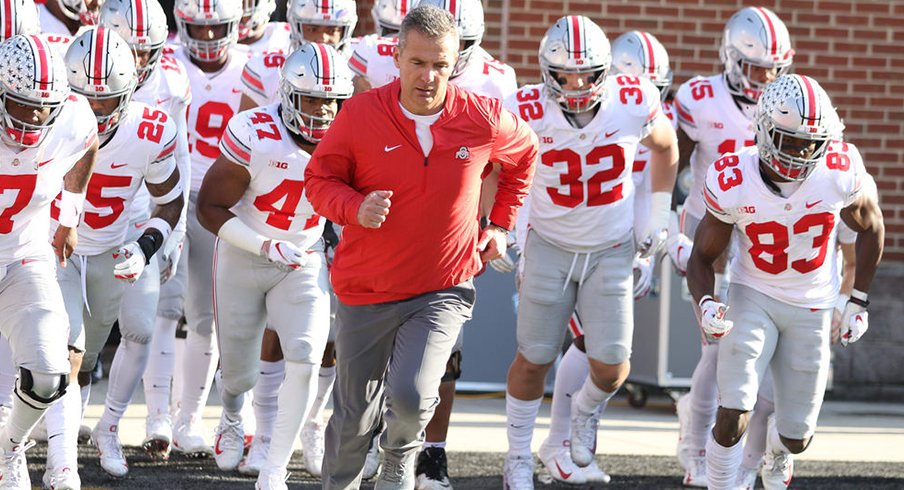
(575, 44)
(313, 70)
(640, 54)
(208, 13)
(100, 66)
(795, 106)
(142, 23)
(18, 17)
(469, 18)
(78, 10)
(255, 13)
(388, 15)
(342, 13)
(754, 37)
(32, 74)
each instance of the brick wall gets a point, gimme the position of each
(851, 47)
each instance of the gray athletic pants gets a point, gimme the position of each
(400, 347)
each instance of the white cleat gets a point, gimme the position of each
(778, 465)
(312, 442)
(557, 461)
(64, 479)
(229, 445)
(595, 474)
(159, 429)
(257, 456)
(14, 469)
(746, 478)
(695, 473)
(271, 478)
(583, 435)
(373, 461)
(109, 448)
(518, 473)
(187, 437)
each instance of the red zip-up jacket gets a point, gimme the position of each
(429, 239)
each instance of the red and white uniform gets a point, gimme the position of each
(142, 149)
(274, 40)
(58, 42)
(583, 179)
(260, 78)
(215, 98)
(487, 76)
(49, 23)
(372, 59)
(32, 178)
(709, 115)
(274, 204)
(643, 185)
(784, 246)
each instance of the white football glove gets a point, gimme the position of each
(656, 231)
(285, 255)
(170, 255)
(643, 276)
(503, 264)
(840, 303)
(679, 245)
(128, 262)
(713, 317)
(854, 323)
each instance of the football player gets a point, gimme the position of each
(715, 116)
(67, 17)
(258, 33)
(371, 60)
(270, 266)
(781, 199)
(208, 31)
(163, 83)
(46, 149)
(589, 125)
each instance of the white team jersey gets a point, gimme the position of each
(274, 40)
(784, 247)
(486, 76)
(141, 150)
(261, 76)
(215, 98)
(59, 43)
(643, 185)
(167, 88)
(33, 177)
(274, 204)
(372, 60)
(49, 23)
(708, 114)
(582, 197)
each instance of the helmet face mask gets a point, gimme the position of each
(108, 83)
(640, 54)
(469, 19)
(336, 13)
(575, 45)
(313, 71)
(142, 23)
(754, 40)
(32, 80)
(255, 15)
(208, 28)
(78, 10)
(795, 123)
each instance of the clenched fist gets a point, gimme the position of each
(373, 211)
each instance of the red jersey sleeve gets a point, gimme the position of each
(329, 174)
(515, 149)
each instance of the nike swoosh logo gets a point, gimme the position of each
(609, 135)
(565, 476)
(236, 91)
(641, 151)
(45, 162)
(118, 165)
(388, 148)
(160, 101)
(216, 448)
(811, 204)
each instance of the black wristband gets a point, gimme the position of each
(859, 302)
(149, 243)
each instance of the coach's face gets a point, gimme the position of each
(424, 68)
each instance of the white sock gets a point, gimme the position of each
(774, 442)
(756, 433)
(7, 374)
(22, 419)
(325, 380)
(85, 394)
(570, 376)
(200, 362)
(520, 415)
(63, 419)
(125, 374)
(703, 401)
(178, 384)
(295, 400)
(590, 397)
(722, 464)
(232, 403)
(158, 374)
(266, 396)
(441, 445)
